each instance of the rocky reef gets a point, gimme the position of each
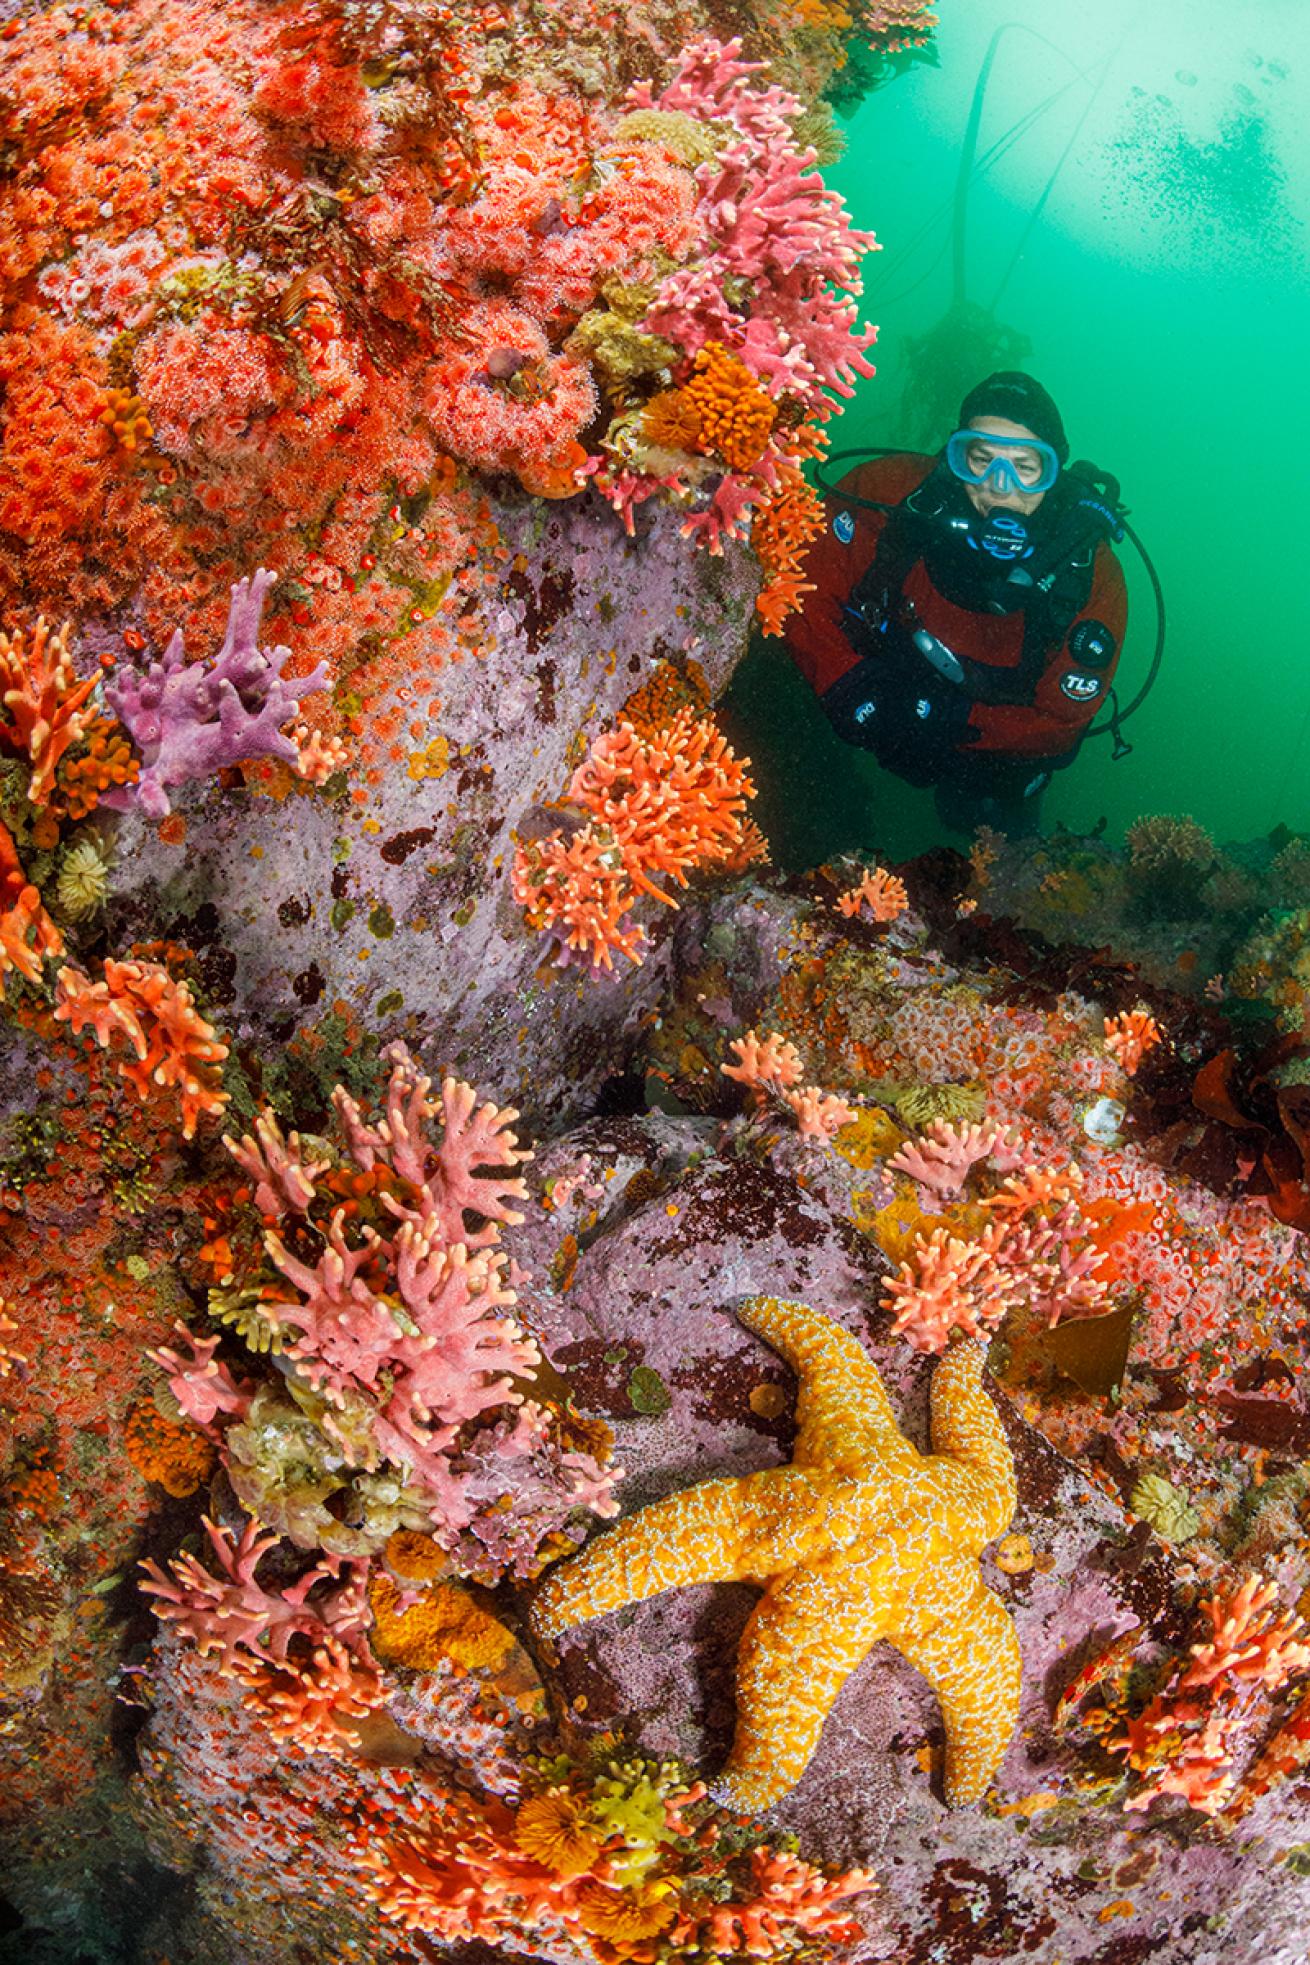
(563, 1394)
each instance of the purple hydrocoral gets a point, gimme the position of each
(191, 719)
(779, 280)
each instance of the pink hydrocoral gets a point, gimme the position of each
(307, 1667)
(819, 1114)
(284, 1178)
(1026, 1255)
(377, 1281)
(140, 1006)
(465, 1172)
(428, 1350)
(776, 236)
(942, 1158)
(949, 1285)
(202, 1384)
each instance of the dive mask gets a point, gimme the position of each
(1003, 464)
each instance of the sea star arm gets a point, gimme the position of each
(717, 1532)
(843, 1413)
(805, 1637)
(971, 1660)
(967, 1427)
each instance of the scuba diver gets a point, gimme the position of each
(968, 609)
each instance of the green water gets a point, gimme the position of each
(1162, 283)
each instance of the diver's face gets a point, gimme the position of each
(1026, 463)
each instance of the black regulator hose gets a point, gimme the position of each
(1117, 716)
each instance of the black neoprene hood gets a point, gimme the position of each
(1019, 398)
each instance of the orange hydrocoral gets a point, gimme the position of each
(107, 760)
(753, 850)
(177, 1457)
(782, 529)
(580, 889)
(789, 1893)
(458, 1872)
(140, 1004)
(767, 1060)
(1185, 1740)
(673, 800)
(313, 1703)
(1130, 1036)
(735, 415)
(45, 705)
(661, 803)
(883, 893)
(27, 936)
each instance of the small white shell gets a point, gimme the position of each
(1102, 1121)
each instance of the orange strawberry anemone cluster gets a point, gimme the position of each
(176, 1456)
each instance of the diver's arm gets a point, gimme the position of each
(818, 637)
(1074, 684)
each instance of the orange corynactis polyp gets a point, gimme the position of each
(176, 1457)
(553, 1829)
(736, 415)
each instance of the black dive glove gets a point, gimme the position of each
(913, 723)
